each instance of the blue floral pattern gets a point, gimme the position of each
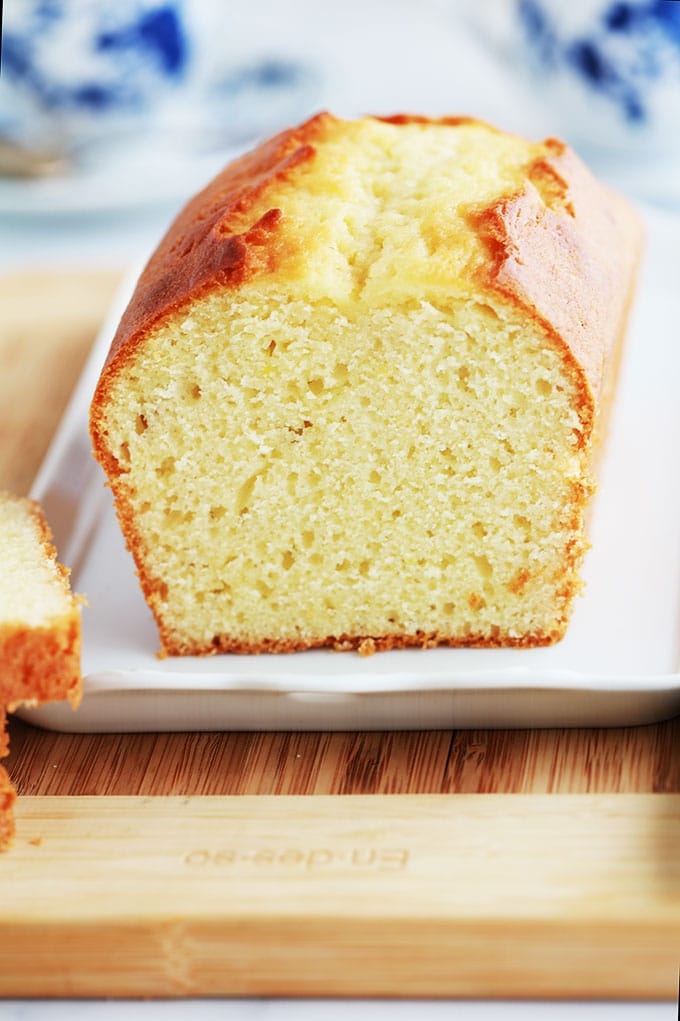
(131, 46)
(620, 58)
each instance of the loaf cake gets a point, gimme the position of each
(354, 399)
(40, 633)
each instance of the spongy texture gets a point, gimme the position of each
(39, 616)
(343, 410)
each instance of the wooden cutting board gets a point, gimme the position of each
(469, 895)
(441, 889)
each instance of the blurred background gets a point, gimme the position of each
(111, 115)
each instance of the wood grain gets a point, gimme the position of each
(48, 323)
(514, 896)
(636, 759)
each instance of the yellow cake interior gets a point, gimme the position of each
(323, 475)
(32, 589)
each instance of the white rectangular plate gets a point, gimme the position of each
(618, 664)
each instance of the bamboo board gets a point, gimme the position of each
(465, 895)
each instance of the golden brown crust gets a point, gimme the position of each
(7, 792)
(41, 664)
(364, 644)
(7, 799)
(4, 737)
(416, 118)
(564, 250)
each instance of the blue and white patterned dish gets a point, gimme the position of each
(88, 67)
(610, 71)
(90, 74)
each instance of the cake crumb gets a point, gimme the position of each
(367, 647)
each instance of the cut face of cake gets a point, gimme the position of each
(39, 617)
(354, 398)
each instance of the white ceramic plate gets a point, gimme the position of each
(618, 664)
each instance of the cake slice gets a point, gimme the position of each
(40, 633)
(39, 616)
(7, 792)
(354, 400)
